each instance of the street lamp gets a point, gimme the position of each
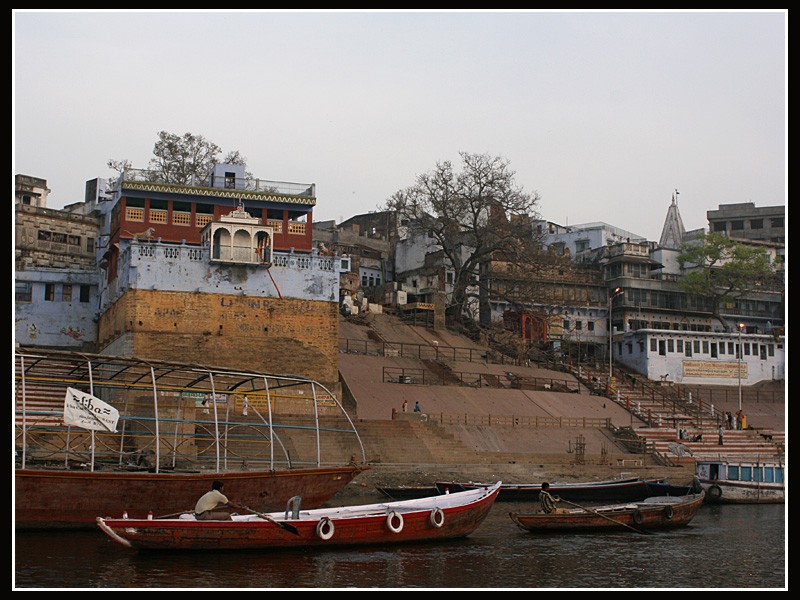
(615, 292)
(739, 365)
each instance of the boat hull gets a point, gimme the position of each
(740, 492)
(642, 516)
(51, 499)
(425, 520)
(621, 490)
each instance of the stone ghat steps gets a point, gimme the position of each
(746, 445)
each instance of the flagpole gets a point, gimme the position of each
(91, 391)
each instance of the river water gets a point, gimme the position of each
(724, 547)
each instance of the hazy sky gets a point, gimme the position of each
(604, 114)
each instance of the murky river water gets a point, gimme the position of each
(724, 547)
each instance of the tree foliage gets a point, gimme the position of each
(472, 215)
(182, 159)
(721, 270)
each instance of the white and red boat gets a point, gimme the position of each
(440, 517)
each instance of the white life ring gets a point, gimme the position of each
(437, 517)
(325, 528)
(390, 522)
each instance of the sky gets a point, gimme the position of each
(603, 114)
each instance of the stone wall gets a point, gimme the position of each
(273, 335)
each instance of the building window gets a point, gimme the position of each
(713, 350)
(89, 244)
(578, 325)
(719, 226)
(757, 224)
(737, 225)
(66, 293)
(746, 349)
(705, 347)
(49, 292)
(23, 292)
(731, 350)
(85, 293)
(697, 346)
(590, 325)
(670, 345)
(688, 348)
(653, 344)
(679, 346)
(777, 222)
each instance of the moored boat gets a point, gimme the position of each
(405, 492)
(610, 490)
(742, 481)
(428, 519)
(660, 512)
(98, 434)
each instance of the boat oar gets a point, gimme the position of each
(287, 526)
(598, 513)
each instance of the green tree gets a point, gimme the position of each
(721, 270)
(471, 216)
(182, 159)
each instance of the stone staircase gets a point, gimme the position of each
(412, 441)
(736, 444)
(665, 410)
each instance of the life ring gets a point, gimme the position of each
(325, 528)
(638, 517)
(715, 492)
(668, 513)
(390, 522)
(437, 517)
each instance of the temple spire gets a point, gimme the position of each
(672, 233)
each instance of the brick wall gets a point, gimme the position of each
(286, 336)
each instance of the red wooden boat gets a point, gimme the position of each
(441, 517)
(660, 512)
(50, 499)
(99, 435)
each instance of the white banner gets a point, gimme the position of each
(86, 411)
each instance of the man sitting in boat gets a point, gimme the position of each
(548, 501)
(214, 505)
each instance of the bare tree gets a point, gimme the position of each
(474, 215)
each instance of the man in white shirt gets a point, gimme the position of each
(214, 505)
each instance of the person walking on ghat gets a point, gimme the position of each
(720, 435)
(214, 505)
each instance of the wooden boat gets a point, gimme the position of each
(165, 432)
(665, 488)
(611, 490)
(742, 482)
(406, 492)
(660, 512)
(438, 517)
